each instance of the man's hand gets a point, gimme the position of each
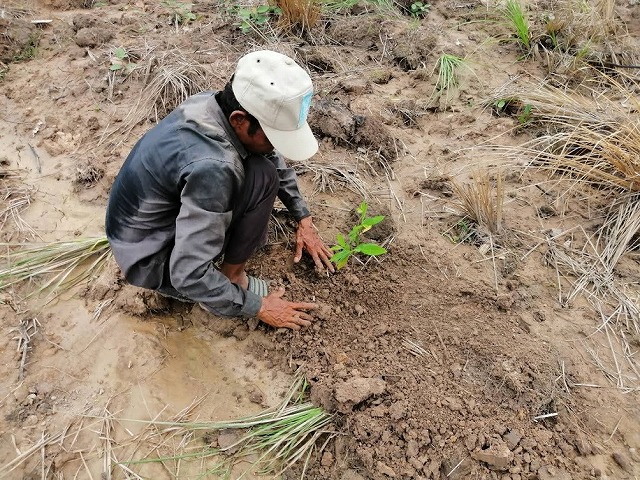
(280, 313)
(307, 237)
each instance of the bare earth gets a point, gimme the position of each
(440, 360)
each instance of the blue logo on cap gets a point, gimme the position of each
(304, 108)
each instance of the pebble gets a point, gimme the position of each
(512, 438)
(622, 460)
(385, 469)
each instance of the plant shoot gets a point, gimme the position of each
(351, 245)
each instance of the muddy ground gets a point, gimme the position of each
(441, 359)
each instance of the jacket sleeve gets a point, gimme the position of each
(289, 193)
(205, 215)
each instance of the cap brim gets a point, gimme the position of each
(295, 144)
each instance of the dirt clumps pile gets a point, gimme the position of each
(434, 384)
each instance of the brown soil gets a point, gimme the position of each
(435, 359)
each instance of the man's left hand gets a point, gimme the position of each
(307, 238)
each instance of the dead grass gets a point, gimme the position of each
(299, 15)
(590, 31)
(482, 200)
(14, 199)
(334, 177)
(591, 272)
(590, 136)
(168, 78)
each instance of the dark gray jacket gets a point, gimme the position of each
(171, 206)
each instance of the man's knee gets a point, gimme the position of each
(261, 174)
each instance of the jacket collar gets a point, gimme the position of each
(216, 112)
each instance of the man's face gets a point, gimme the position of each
(254, 143)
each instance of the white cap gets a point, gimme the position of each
(277, 91)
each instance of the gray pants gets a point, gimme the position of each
(250, 222)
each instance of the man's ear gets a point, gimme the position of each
(237, 118)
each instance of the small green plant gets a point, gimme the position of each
(4, 69)
(121, 61)
(517, 17)
(351, 245)
(29, 50)
(419, 9)
(525, 115)
(180, 12)
(448, 66)
(256, 16)
(463, 231)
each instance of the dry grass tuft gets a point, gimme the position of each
(168, 79)
(56, 267)
(589, 137)
(482, 200)
(14, 199)
(300, 15)
(330, 178)
(591, 272)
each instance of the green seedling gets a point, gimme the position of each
(526, 114)
(517, 18)
(121, 61)
(448, 66)
(419, 9)
(180, 12)
(461, 232)
(352, 245)
(256, 16)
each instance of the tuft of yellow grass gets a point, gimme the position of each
(482, 200)
(592, 135)
(300, 14)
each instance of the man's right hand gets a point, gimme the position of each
(280, 313)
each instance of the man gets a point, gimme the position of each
(200, 186)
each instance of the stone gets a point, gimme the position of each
(385, 469)
(227, 441)
(327, 459)
(351, 475)
(412, 449)
(512, 439)
(497, 456)
(549, 472)
(622, 461)
(93, 36)
(470, 441)
(456, 468)
(357, 390)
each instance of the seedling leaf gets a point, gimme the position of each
(370, 249)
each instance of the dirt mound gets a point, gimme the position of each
(427, 376)
(18, 39)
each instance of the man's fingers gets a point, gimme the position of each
(305, 306)
(327, 262)
(301, 322)
(317, 261)
(298, 254)
(305, 316)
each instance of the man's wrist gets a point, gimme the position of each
(306, 221)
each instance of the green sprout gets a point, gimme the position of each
(256, 16)
(419, 9)
(517, 17)
(121, 61)
(351, 245)
(180, 12)
(448, 66)
(525, 116)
